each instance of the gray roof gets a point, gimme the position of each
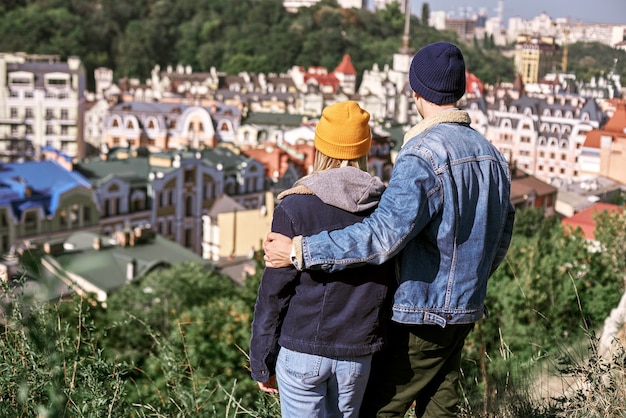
(134, 170)
(106, 268)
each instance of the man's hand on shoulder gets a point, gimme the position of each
(277, 249)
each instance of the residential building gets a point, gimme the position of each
(165, 126)
(41, 201)
(95, 114)
(94, 265)
(574, 197)
(542, 136)
(293, 5)
(465, 28)
(283, 163)
(231, 230)
(171, 191)
(41, 105)
(603, 152)
(535, 56)
(259, 128)
(530, 192)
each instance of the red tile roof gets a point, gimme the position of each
(345, 66)
(617, 123)
(585, 218)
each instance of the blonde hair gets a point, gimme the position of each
(324, 162)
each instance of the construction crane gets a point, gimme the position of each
(565, 42)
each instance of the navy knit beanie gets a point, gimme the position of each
(437, 73)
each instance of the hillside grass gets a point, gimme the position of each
(49, 369)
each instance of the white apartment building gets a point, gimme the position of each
(542, 136)
(41, 105)
(294, 5)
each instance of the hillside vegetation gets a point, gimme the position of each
(131, 37)
(258, 36)
(175, 343)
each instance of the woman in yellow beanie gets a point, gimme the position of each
(317, 331)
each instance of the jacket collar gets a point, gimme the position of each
(299, 189)
(447, 116)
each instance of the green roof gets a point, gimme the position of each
(274, 119)
(106, 268)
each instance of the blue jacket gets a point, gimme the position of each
(331, 315)
(446, 212)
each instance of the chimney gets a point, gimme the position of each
(130, 270)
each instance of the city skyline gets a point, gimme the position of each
(603, 11)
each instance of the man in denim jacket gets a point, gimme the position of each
(446, 214)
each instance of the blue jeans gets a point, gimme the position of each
(316, 386)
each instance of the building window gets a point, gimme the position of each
(189, 206)
(13, 113)
(172, 198)
(75, 214)
(63, 217)
(138, 204)
(188, 238)
(208, 190)
(30, 221)
(65, 114)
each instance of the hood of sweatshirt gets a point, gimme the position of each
(347, 188)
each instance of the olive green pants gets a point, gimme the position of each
(420, 365)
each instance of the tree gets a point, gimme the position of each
(425, 13)
(552, 290)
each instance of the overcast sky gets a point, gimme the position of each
(589, 11)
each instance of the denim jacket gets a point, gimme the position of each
(332, 315)
(446, 213)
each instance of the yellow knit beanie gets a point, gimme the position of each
(343, 131)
